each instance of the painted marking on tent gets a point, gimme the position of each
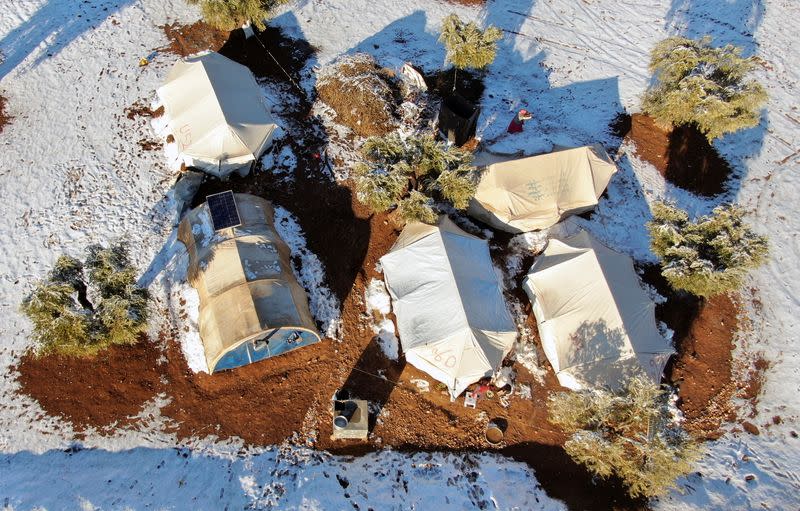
(186, 136)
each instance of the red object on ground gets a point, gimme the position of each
(518, 122)
(480, 391)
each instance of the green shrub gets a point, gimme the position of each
(231, 14)
(630, 435)
(709, 256)
(456, 187)
(378, 188)
(64, 318)
(467, 45)
(412, 174)
(699, 85)
(59, 322)
(417, 207)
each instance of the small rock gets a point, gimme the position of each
(749, 477)
(750, 428)
(794, 434)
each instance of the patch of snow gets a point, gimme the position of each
(653, 293)
(524, 245)
(281, 164)
(310, 272)
(665, 331)
(377, 297)
(379, 304)
(505, 376)
(525, 354)
(524, 349)
(524, 391)
(387, 339)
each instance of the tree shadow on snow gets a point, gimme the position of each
(727, 22)
(54, 25)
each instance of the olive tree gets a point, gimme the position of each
(412, 174)
(703, 86)
(630, 435)
(81, 308)
(709, 256)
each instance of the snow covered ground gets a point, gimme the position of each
(72, 173)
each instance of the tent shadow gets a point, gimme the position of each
(365, 381)
(678, 312)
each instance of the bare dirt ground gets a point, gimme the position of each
(103, 392)
(682, 155)
(288, 397)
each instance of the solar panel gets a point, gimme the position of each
(223, 210)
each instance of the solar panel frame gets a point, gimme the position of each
(223, 209)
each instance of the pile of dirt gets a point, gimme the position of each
(185, 40)
(682, 155)
(702, 371)
(364, 96)
(4, 117)
(99, 392)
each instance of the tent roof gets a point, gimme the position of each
(536, 192)
(216, 109)
(451, 314)
(596, 323)
(244, 278)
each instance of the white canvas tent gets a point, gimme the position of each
(216, 113)
(596, 324)
(251, 306)
(451, 314)
(533, 193)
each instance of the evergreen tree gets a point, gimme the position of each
(709, 256)
(64, 318)
(412, 174)
(417, 207)
(231, 14)
(467, 45)
(697, 84)
(630, 435)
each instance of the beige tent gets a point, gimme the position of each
(251, 306)
(596, 323)
(451, 315)
(536, 192)
(216, 113)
